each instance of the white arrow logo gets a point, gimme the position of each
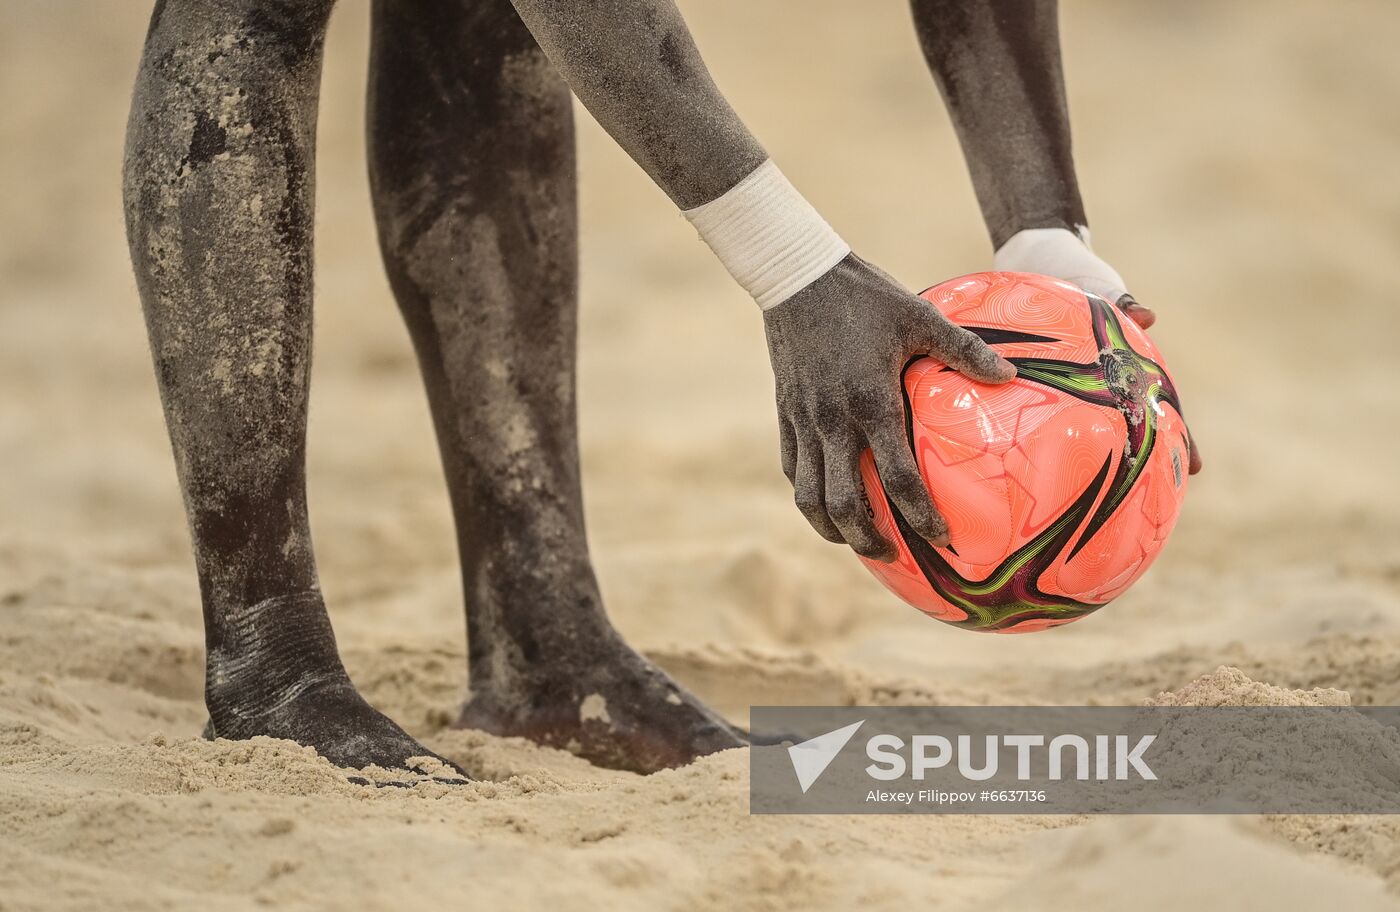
(811, 758)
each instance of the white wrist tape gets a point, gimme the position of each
(1063, 254)
(768, 236)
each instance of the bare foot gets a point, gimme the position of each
(333, 718)
(606, 704)
(274, 670)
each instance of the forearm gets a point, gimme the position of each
(839, 331)
(634, 65)
(997, 65)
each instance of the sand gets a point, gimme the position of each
(1238, 169)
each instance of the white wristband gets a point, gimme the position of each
(768, 236)
(1063, 254)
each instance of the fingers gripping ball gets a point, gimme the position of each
(1061, 487)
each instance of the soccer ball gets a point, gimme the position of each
(1061, 487)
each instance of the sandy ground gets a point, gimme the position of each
(1238, 161)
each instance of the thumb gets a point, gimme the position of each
(966, 353)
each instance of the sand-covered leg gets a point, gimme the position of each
(218, 191)
(472, 162)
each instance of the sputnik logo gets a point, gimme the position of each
(811, 758)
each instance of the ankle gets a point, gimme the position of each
(263, 656)
(529, 659)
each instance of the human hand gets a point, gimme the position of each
(838, 349)
(1066, 255)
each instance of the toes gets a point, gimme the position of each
(374, 783)
(399, 783)
(412, 772)
(436, 767)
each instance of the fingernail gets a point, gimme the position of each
(1129, 303)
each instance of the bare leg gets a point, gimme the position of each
(472, 162)
(218, 189)
(998, 67)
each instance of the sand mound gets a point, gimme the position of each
(1262, 758)
(1228, 686)
(1175, 863)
